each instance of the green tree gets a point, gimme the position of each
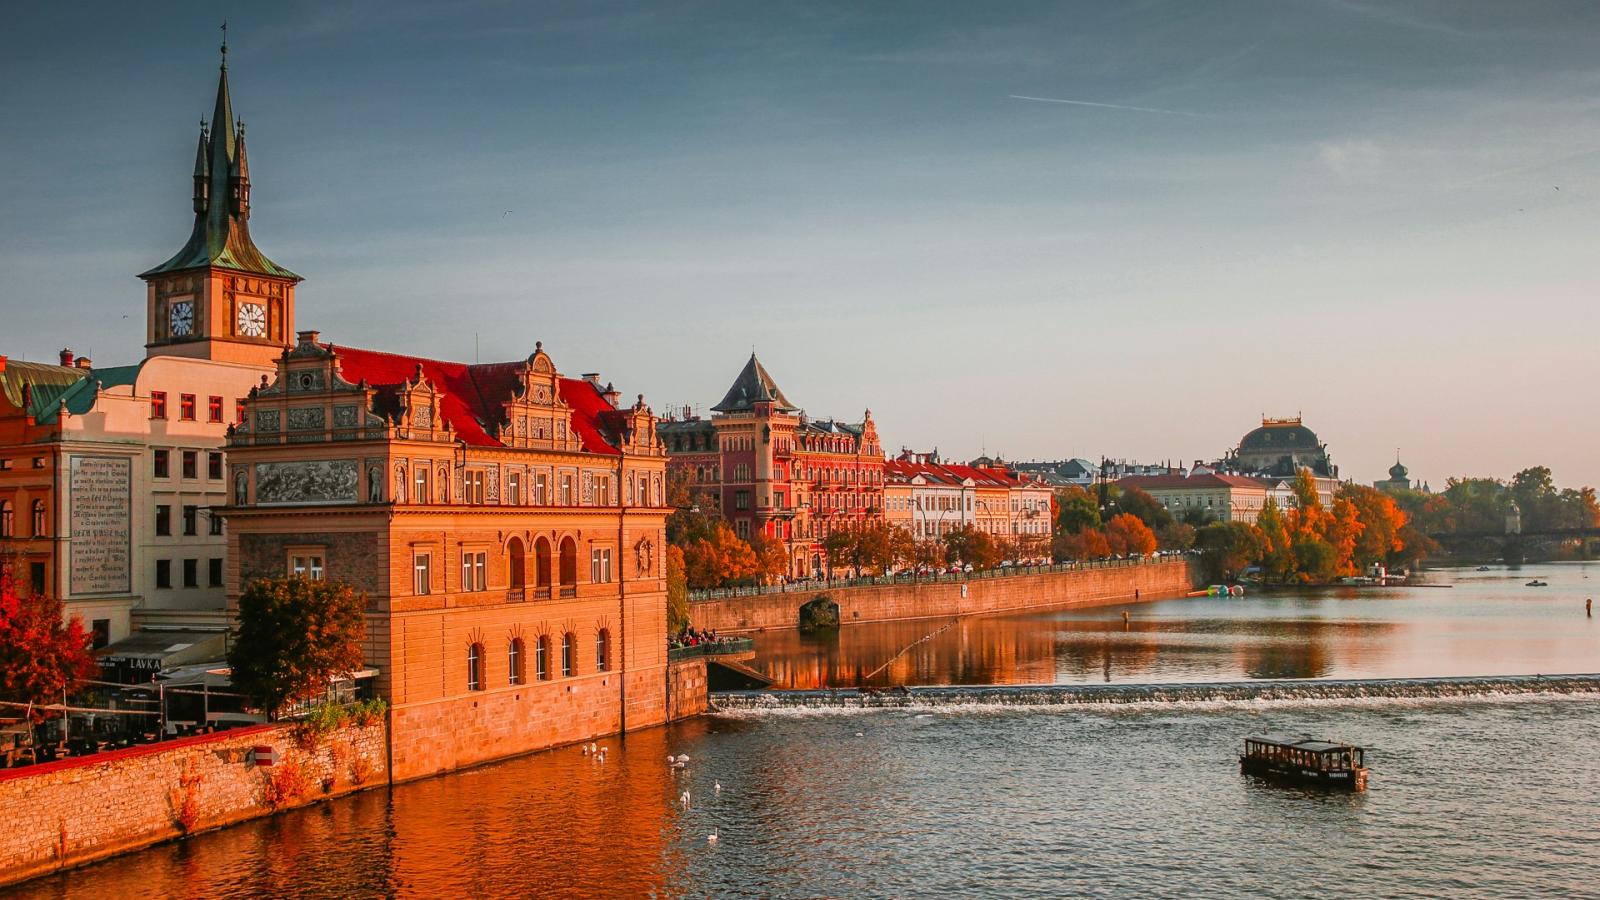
(1277, 548)
(1316, 559)
(1226, 548)
(1147, 508)
(294, 637)
(973, 547)
(1076, 509)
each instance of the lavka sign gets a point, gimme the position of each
(100, 520)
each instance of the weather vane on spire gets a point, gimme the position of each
(224, 43)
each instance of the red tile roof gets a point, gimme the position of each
(473, 394)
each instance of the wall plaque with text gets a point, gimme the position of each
(100, 522)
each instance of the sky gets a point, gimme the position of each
(1380, 216)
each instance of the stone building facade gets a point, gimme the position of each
(773, 470)
(505, 523)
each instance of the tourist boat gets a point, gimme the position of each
(1483, 568)
(1304, 761)
(1537, 583)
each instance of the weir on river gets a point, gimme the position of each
(1105, 694)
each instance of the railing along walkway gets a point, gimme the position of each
(814, 586)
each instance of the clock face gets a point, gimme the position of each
(252, 320)
(180, 319)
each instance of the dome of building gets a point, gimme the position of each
(1279, 435)
(1398, 472)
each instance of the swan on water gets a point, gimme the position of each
(716, 787)
(712, 837)
(683, 757)
(683, 799)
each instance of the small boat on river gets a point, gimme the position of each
(1302, 760)
(1537, 583)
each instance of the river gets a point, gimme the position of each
(1488, 796)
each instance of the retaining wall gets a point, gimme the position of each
(976, 596)
(73, 811)
(686, 688)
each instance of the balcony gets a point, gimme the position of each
(569, 590)
(516, 595)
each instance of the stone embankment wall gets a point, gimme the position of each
(1009, 593)
(686, 688)
(74, 811)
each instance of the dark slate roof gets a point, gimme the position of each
(1275, 436)
(753, 386)
(221, 234)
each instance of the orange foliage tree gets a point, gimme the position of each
(1127, 533)
(41, 655)
(721, 558)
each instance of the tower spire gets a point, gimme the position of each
(224, 45)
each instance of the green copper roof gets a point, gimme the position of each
(221, 235)
(49, 386)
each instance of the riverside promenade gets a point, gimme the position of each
(978, 593)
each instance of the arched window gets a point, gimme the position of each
(474, 667)
(541, 563)
(7, 521)
(516, 564)
(602, 650)
(566, 655)
(514, 657)
(569, 563)
(541, 658)
(38, 518)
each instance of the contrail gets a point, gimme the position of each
(1149, 109)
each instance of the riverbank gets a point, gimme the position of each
(908, 601)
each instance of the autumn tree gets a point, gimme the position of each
(42, 655)
(1343, 531)
(1090, 543)
(1384, 524)
(677, 591)
(719, 559)
(772, 558)
(1147, 508)
(1128, 534)
(295, 636)
(973, 547)
(1277, 547)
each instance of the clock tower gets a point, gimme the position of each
(220, 297)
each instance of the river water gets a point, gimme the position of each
(1492, 796)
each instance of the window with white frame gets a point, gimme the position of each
(600, 565)
(306, 563)
(474, 487)
(474, 570)
(422, 573)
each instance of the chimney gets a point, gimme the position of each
(593, 378)
(66, 357)
(84, 362)
(613, 396)
(307, 337)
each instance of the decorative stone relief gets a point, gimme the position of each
(306, 418)
(306, 481)
(346, 417)
(266, 420)
(306, 380)
(491, 484)
(422, 416)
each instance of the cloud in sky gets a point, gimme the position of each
(1360, 223)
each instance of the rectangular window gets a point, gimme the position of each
(541, 662)
(158, 404)
(566, 490)
(741, 499)
(541, 490)
(191, 463)
(163, 573)
(602, 489)
(600, 566)
(238, 411)
(191, 573)
(475, 571)
(216, 525)
(421, 493)
(214, 465)
(307, 565)
(514, 488)
(214, 571)
(163, 463)
(163, 520)
(101, 629)
(214, 409)
(186, 407)
(36, 579)
(473, 485)
(422, 574)
(191, 520)
(566, 655)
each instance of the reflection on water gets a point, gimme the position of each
(1483, 623)
(967, 803)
